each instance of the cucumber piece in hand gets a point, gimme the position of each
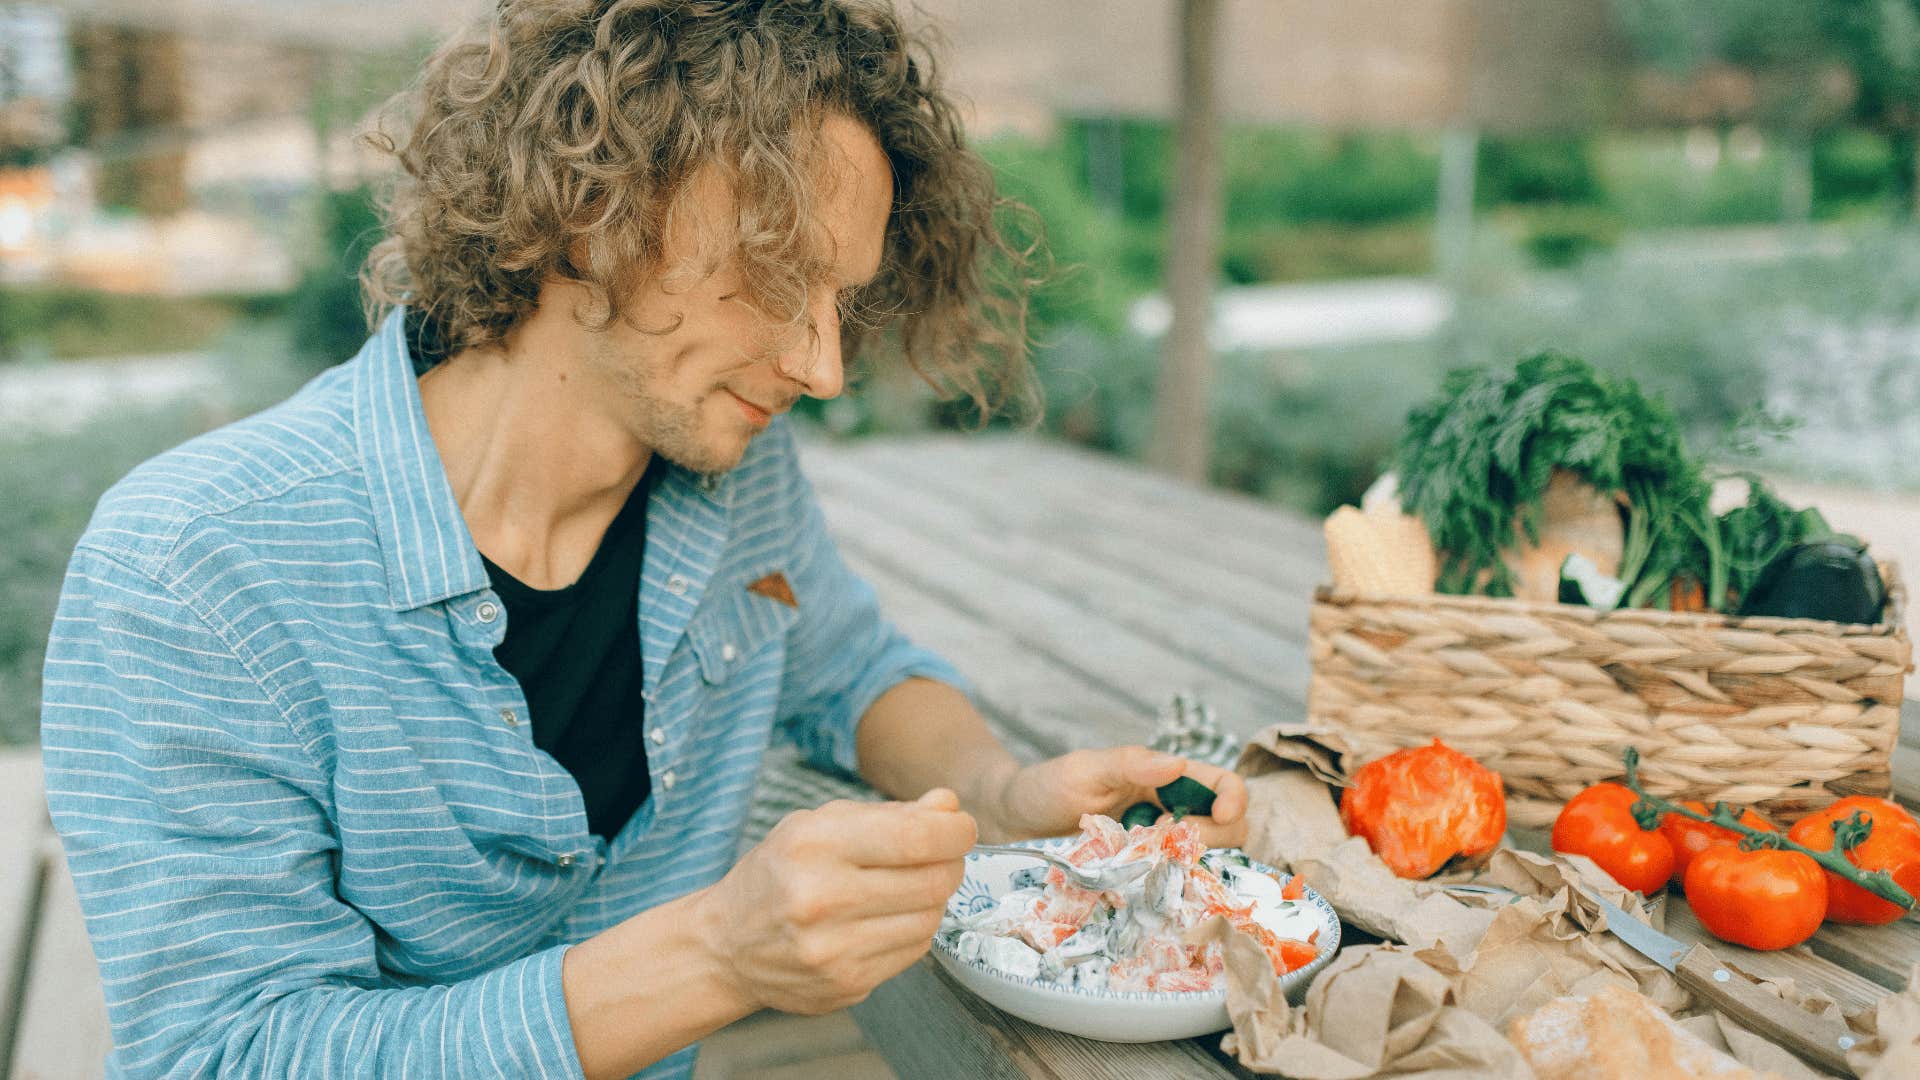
(1182, 797)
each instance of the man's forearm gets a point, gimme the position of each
(924, 734)
(646, 988)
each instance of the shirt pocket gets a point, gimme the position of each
(734, 628)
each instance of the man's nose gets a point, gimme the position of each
(814, 361)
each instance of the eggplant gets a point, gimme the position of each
(1832, 578)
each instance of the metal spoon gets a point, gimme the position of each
(1100, 879)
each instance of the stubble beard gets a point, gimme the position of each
(673, 430)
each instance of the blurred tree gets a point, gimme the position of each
(1880, 40)
(1791, 49)
(1818, 62)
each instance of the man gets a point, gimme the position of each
(408, 728)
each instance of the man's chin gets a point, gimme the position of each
(712, 457)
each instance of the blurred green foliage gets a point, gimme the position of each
(1535, 170)
(1559, 236)
(327, 319)
(62, 321)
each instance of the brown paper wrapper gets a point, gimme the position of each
(1438, 994)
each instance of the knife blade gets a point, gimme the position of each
(1820, 1041)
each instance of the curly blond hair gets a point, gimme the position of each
(567, 119)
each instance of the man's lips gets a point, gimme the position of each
(759, 414)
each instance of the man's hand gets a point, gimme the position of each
(838, 900)
(1047, 799)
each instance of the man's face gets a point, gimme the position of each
(698, 395)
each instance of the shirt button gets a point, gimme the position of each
(659, 737)
(666, 779)
(728, 652)
(565, 861)
(677, 585)
(487, 611)
(512, 718)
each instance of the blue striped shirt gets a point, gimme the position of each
(301, 802)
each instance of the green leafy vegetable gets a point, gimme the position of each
(1475, 462)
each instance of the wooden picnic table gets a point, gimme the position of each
(1078, 593)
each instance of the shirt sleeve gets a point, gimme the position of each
(841, 653)
(196, 827)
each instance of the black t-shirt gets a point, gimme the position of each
(576, 652)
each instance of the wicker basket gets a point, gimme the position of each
(1784, 715)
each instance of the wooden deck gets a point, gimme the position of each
(1078, 594)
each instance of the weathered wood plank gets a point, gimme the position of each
(23, 826)
(63, 1029)
(1200, 631)
(1176, 546)
(1042, 621)
(928, 1026)
(1046, 705)
(1805, 965)
(1241, 531)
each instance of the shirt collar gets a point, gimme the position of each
(430, 556)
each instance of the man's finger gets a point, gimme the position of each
(892, 890)
(908, 834)
(1146, 770)
(887, 933)
(1229, 791)
(939, 799)
(1137, 767)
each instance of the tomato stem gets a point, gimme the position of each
(1847, 835)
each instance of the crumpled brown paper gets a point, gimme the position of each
(1435, 998)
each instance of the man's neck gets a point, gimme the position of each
(538, 475)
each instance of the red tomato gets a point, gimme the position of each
(1690, 837)
(1763, 899)
(1893, 846)
(1599, 824)
(1421, 806)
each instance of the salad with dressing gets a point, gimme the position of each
(1134, 937)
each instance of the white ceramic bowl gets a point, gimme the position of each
(1109, 1015)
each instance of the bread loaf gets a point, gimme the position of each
(1617, 1034)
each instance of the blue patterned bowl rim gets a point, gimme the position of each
(1330, 935)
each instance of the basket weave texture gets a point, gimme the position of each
(1784, 715)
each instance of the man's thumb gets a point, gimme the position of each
(939, 799)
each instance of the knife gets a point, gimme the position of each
(1821, 1041)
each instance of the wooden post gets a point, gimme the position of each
(1182, 432)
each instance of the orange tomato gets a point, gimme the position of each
(1599, 824)
(1893, 846)
(1763, 899)
(1418, 808)
(1690, 837)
